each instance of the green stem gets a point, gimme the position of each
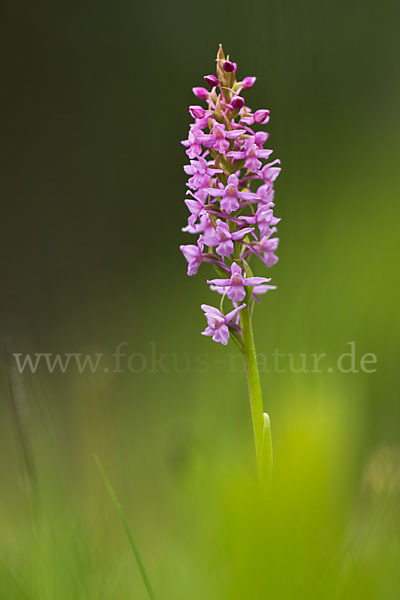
(261, 427)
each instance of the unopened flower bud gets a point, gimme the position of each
(248, 82)
(229, 66)
(261, 116)
(237, 103)
(211, 80)
(260, 138)
(197, 112)
(200, 92)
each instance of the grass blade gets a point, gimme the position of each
(125, 525)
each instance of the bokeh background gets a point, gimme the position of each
(94, 105)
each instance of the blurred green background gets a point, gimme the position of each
(94, 105)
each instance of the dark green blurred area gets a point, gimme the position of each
(94, 105)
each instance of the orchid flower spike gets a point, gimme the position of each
(231, 190)
(231, 202)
